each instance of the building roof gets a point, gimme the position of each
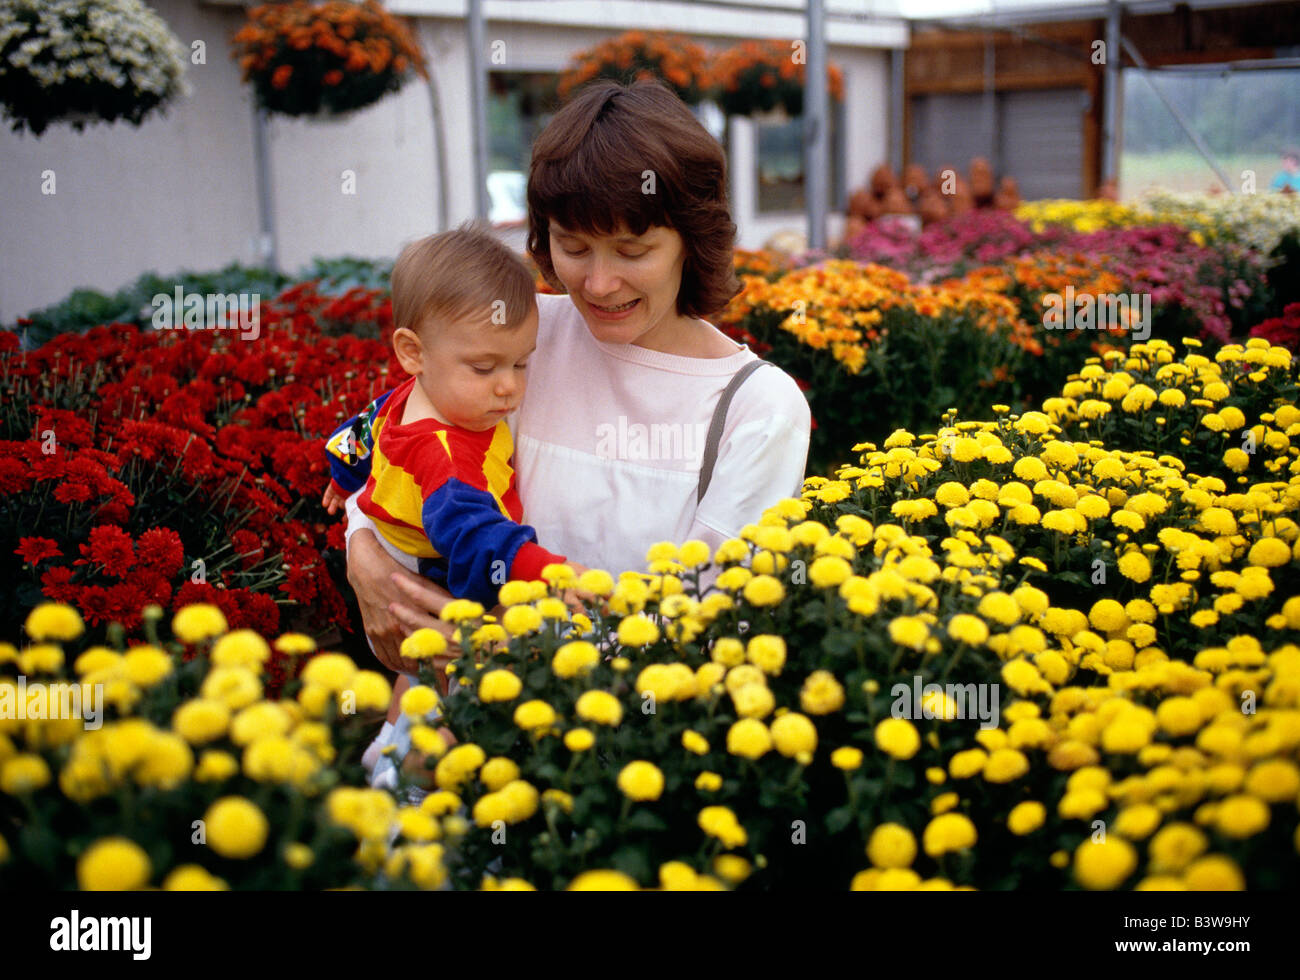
(989, 12)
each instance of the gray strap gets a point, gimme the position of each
(719, 420)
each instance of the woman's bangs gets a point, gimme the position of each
(579, 195)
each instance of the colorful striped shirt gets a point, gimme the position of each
(441, 493)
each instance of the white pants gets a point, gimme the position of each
(381, 769)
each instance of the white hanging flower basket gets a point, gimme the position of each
(81, 62)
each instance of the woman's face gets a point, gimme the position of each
(624, 285)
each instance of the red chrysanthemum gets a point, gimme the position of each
(56, 584)
(248, 546)
(160, 550)
(33, 551)
(112, 548)
(14, 476)
(300, 587)
(72, 492)
(125, 600)
(95, 604)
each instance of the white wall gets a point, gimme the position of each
(389, 148)
(176, 191)
(180, 191)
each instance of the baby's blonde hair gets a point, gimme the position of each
(461, 274)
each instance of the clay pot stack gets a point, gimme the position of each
(929, 199)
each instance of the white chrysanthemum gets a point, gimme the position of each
(121, 43)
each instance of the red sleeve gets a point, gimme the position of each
(530, 559)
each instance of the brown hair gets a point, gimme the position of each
(589, 166)
(460, 274)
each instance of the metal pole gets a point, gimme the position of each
(1173, 111)
(897, 151)
(439, 148)
(1110, 95)
(991, 99)
(266, 251)
(478, 104)
(816, 103)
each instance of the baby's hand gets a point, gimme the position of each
(332, 500)
(578, 599)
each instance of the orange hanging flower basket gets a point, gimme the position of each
(640, 54)
(760, 76)
(327, 58)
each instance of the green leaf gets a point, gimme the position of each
(645, 819)
(839, 818)
(631, 860)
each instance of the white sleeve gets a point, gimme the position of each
(356, 519)
(761, 457)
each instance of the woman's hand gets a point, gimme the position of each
(372, 573)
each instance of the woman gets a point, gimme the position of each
(628, 217)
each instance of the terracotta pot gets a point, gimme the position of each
(1008, 196)
(931, 205)
(981, 181)
(882, 180)
(914, 180)
(861, 203)
(963, 200)
(895, 202)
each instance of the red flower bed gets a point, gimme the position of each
(174, 466)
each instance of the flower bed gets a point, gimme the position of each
(188, 778)
(181, 466)
(1113, 632)
(1137, 618)
(1214, 291)
(1259, 221)
(877, 352)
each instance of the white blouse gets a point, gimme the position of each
(609, 440)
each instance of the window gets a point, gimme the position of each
(520, 104)
(780, 160)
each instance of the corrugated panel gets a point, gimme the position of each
(948, 130)
(1040, 141)
(1039, 137)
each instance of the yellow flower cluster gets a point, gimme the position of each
(1191, 407)
(121, 734)
(1082, 216)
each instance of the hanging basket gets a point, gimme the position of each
(757, 77)
(81, 62)
(634, 55)
(325, 60)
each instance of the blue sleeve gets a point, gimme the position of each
(349, 447)
(467, 528)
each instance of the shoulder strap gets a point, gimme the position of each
(719, 420)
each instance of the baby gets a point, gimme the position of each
(432, 457)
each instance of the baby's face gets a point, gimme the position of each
(474, 373)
